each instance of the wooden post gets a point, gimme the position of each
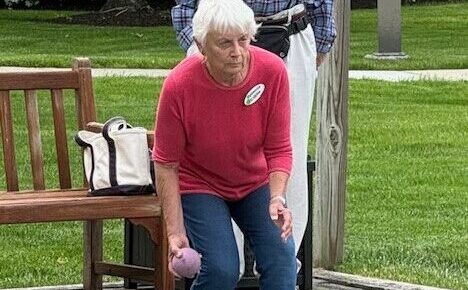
(332, 139)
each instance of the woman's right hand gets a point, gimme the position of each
(176, 243)
(282, 217)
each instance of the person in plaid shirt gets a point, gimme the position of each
(319, 14)
(307, 52)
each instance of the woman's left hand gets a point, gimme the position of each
(282, 217)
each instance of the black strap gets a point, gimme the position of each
(288, 5)
(298, 25)
(293, 28)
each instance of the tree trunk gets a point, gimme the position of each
(165, 4)
(124, 5)
(122, 13)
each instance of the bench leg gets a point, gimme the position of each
(161, 255)
(92, 253)
(163, 279)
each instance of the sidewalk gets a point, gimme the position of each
(323, 280)
(411, 75)
(394, 76)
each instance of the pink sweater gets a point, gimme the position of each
(224, 146)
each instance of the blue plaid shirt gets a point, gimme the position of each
(320, 13)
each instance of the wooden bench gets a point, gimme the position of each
(68, 203)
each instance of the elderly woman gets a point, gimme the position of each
(222, 150)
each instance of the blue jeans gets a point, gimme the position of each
(208, 223)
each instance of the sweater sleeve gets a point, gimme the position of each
(277, 146)
(169, 131)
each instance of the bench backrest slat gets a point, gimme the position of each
(43, 80)
(56, 82)
(8, 142)
(84, 93)
(61, 144)
(35, 143)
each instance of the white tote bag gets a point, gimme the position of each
(116, 161)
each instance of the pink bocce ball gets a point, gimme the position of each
(188, 265)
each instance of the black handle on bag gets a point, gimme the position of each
(109, 125)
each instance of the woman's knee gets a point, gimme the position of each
(218, 274)
(284, 254)
(227, 276)
(288, 251)
(278, 273)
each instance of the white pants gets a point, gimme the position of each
(301, 65)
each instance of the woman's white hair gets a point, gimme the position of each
(223, 16)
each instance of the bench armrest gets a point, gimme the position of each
(97, 128)
(94, 127)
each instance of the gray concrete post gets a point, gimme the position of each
(389, 25)
(389, 30)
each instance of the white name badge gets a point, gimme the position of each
(254, 94)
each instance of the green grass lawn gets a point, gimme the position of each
(28, 39)
(407, 202)
(434, 36)
(407, 187)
